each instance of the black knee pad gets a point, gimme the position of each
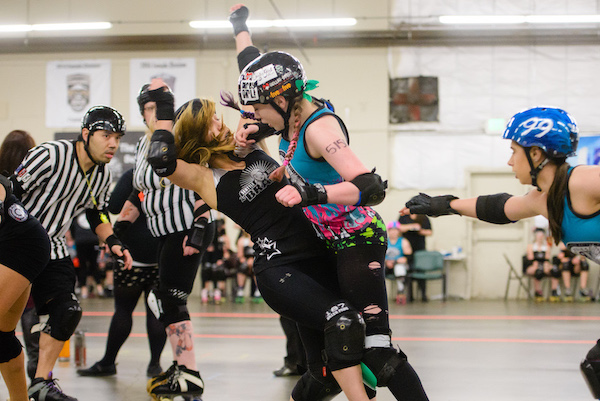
(312, 386)
(555, 272)
(344, 336)
(539, 274)
(585, 266)
(65, 314)
(10, 346)
(590, 369)
(171, 305)
(383, 363)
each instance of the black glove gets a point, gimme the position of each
(162, 155)
(264, 131)
(312, 194)
(165, 103)
(238, 20)
(196, 234)
(434, 207)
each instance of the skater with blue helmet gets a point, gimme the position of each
(542, 139)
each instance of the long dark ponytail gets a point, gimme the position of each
(556, 198)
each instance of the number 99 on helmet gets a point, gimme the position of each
(551, 129)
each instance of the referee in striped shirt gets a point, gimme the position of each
(56, 181)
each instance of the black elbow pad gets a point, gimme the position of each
(490, 208)
(371, 187)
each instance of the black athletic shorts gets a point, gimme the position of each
(24, 244)
(56, 280)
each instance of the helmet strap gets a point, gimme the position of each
(86, 147)
(534, 171)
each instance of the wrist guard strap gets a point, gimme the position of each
(312, 194)
(238, 20)
(264, 131)
(165, 103)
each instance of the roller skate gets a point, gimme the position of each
(401, 299)
(555, 296)
(46, 390)
(257, 297)
(539, 297)
(204, 296)
(177, 381)
(568, 295)
(217, 297)
(585, 295)
(239, 296)
(152, 382)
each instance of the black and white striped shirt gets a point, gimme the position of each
(55, 189)
(168, 208)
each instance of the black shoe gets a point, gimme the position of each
(46, 390)
(153, 370)
(98, 370)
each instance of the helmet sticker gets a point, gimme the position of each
(248, 91)
(17, 212)
(264, 74)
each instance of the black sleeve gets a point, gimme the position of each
(121, 192)
(426, 223)
(246, 56)
(16, 187)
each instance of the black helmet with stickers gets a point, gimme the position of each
(270, 75)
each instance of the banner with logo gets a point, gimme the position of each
(178, 73)
(72, 87)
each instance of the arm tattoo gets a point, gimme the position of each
(335, 146)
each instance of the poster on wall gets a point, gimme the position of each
(124, 158)
(588, 151)
(72, 87)
(414, 99)
(178, 73)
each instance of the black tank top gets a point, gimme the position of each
(280, 234)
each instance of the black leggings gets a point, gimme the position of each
(176, 271)
(126, 298)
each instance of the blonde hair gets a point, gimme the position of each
(191, 133)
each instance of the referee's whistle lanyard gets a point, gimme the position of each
(103, 216)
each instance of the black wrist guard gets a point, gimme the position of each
(264, 131)
(112, 240)
(312, 194)
(120, 227)
(162, 155)
(165, 103)
(431, 206)
(196, 233)
(238, 20)
(490, 208)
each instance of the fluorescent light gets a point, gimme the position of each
(56, 27)
(519, 19)
(291, 23)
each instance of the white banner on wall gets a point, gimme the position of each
(72, 87)
(178, 73)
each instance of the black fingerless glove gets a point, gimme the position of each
(162, 155)
(312, 194)
(238, 20)
(431, 206)
(165, 103)
(264, 131)
(196, 234)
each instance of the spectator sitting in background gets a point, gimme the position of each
(536, 264)
(575, 265)
(396, 258)
(415, 228)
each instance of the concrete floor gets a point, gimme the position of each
(462, 350)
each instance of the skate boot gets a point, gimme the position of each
(181, 382)
(554, 296)
(257, 297)
(46, 390)
(590, 369)
(539, 297)
(204, 296)
(217, 296)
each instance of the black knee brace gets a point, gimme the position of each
(555, 272)
(344, 337)
(383, 362)
(10, 346)
(315, 387)
(169, 306)
(65, 314)
(590, 369)
(539, 274)
(585, 266)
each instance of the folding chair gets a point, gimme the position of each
(427, 265)
(513, 274)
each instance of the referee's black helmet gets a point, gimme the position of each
(103, 118)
